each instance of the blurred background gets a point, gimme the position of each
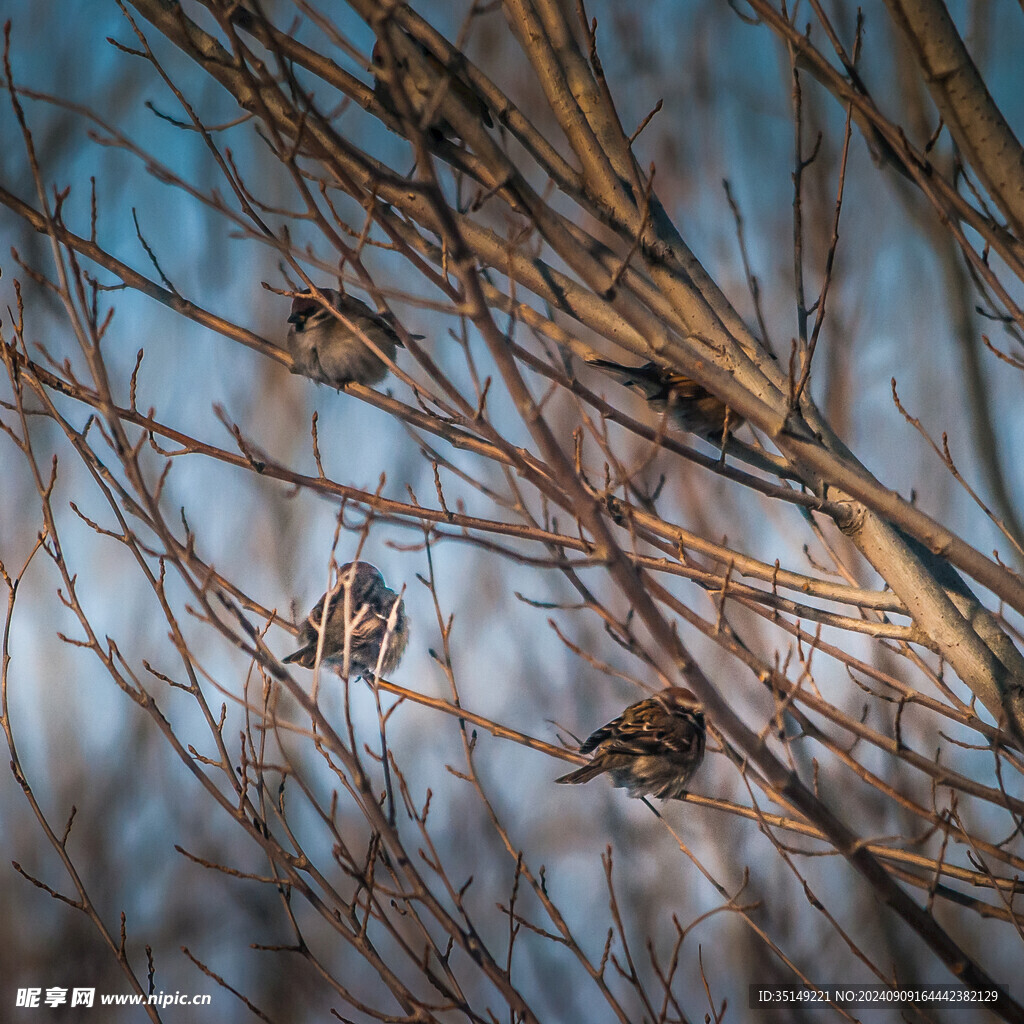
(901, 307)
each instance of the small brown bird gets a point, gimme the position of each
(422, 82)
(651, 749)
(328, 350)
(370, 605)
(692, 406)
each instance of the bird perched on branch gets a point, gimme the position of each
(332, 351)
(692, 406)
(422, 80)
(651, 749)
(369, 620)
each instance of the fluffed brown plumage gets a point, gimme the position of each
(693, 408)
(652, 748)
(331, 351)
(370, 605)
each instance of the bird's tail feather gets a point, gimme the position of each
(642, 379)
(584, 774)
(304, 656)
(609, 365)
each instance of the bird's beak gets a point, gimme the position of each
(296, 318)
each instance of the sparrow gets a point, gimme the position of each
(370, 605)
(651, 749)
(326, 349)
(422, 82)
(692, 406)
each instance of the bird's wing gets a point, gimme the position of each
(316, 615)
(638, 729)
(685, 388)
